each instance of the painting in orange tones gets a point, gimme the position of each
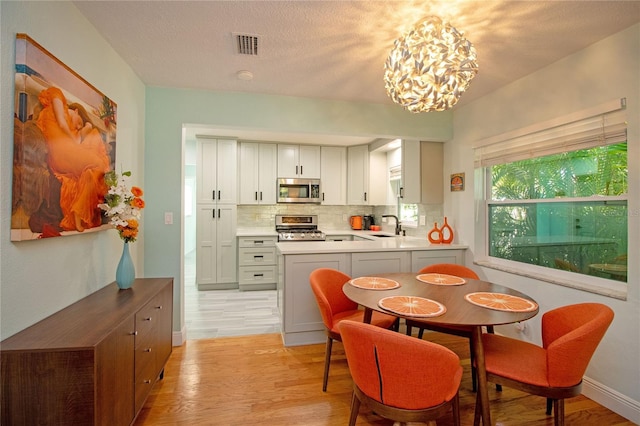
(501, 302)
(374, 283)
(411, 306)
(440, 279)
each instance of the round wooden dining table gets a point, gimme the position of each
(458, 311)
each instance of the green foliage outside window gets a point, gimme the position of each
(565, 211)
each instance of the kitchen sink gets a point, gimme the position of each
(382, 235)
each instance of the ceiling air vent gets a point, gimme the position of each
(246, 44)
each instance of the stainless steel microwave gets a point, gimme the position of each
(299, 191)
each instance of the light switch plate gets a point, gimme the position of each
(168, 218)
(423, 220)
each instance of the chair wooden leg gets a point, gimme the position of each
(558, 412)
(477, 415)
(549, 406)
(455, 407)
(409, 330)
(420, 333)
(327, 361)
(355, 407)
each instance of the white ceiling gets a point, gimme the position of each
(336, 49)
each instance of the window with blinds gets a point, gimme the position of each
(556, 193)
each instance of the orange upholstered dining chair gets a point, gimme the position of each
(398, 377)
(458, 271)
(335, 307)
(570, 336)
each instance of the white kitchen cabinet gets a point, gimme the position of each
(367, 177)
(420, 259)
(216, 171)
(299, 161)
(258, 169)
(216, 246)
(302, 323)
(411, 188)
(257, 265)
(358, 175)
(333, 175)
(363, 264)
(431, 159)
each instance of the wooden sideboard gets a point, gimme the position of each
(92, 363)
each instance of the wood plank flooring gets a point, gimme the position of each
(255, 380)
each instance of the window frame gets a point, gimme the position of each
(483, 200)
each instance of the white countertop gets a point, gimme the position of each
(392, 243)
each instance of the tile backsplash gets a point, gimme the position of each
(336, 217)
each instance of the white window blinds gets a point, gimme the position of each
(603, 125)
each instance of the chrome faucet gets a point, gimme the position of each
(398, 228)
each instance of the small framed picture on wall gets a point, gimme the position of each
(457, 182)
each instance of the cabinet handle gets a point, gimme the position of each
(323, 196)
(213, 194)
(401, 192)
(258, 257)
(218, 195)
(218, 213)
(365, 196)
(159, 307)
(260, 195)
(135, 333)
(146, 382)
(148, 319)
(258, 275)
(213, 211)
(300, 170)
(257, 242)
(256, 195)
(148, 350)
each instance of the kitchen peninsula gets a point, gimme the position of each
(370, 254)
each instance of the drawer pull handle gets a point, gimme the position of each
(148, 350)
(256, 242)
(148, 319)
(147, 382)
(258, 257)
(258, 275)
(135, 333)
(159, 307)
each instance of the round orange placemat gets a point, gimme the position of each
(374, 283)
(501, 302)
(412, 306)
(441, 279)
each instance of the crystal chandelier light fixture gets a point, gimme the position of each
(430, 67)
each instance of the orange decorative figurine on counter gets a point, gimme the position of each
(446, 233)
(437, 239)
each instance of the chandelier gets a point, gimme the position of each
(430, 67)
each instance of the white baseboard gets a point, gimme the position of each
(179, 337)
(614, 401)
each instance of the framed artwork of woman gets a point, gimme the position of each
(64, 143)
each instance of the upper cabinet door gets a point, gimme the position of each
(309, 161)
(333, 175)
(411, 182)
(288, 157)
(299, 161)
(248, 176)
(267, 173)
(358, 175)
(216, 174)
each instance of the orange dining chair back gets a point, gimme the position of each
(335, 306)
(458, 271)
(398, 377)
(570, 336)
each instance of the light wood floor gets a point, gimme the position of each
(255, 380)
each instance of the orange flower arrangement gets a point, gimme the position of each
(123, 205)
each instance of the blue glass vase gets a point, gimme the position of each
(125, 273)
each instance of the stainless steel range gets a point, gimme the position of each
(298, 227)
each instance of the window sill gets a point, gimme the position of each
(601, 286)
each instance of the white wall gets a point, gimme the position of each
(38, 278)
(607, 70)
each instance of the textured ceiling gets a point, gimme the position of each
(336, 49)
